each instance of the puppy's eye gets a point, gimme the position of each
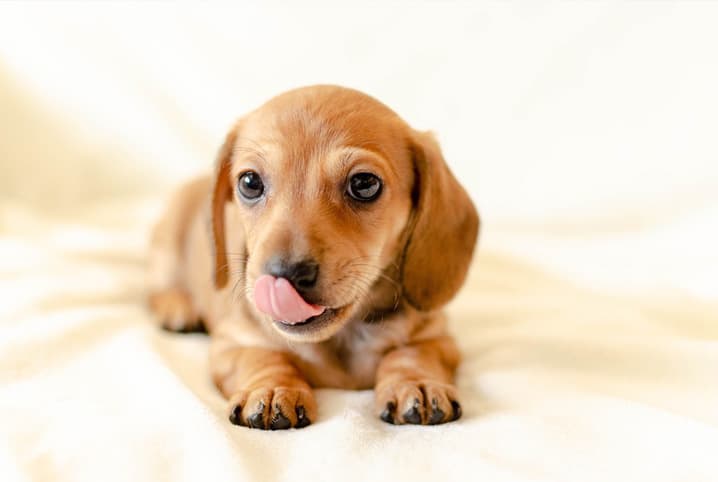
(250, 185)
(364, 187)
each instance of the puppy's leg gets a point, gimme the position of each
(174, 310)
(265, 390)
(415, 383)
(169, 299)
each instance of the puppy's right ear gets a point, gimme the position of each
(221, 194)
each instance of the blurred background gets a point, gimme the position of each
(584, 118)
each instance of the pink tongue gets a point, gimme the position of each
(277, 298)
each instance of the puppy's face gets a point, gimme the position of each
(324, 181)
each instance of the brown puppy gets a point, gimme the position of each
(319, 255)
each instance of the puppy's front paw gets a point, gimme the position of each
(423, 402)
(273, 408)
(173, 308)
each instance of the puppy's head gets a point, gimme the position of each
(338, 202)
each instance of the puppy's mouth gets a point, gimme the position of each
(310, 325)
(277, 298)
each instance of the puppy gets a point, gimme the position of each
(320, 254)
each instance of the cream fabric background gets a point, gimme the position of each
(585, 132)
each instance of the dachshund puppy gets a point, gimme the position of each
(320, 254)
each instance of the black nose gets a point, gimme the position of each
(303, 274)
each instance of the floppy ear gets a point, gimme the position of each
(443, 230)
(221, 194)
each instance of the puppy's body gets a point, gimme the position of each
(347, 360)
(382, 268)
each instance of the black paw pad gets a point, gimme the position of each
(279, 422)
(166, 326)
(256, 420)
(197, 327)
(437, 414)
(457, 409)
(302, 420)
(412, 415)
(186, 327)
(236, 416)
(388, 414)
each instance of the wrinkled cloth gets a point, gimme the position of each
(558, 382)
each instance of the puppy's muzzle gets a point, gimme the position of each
(285, 291)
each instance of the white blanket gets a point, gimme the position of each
(589, 323)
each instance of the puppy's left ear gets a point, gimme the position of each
(443, 230)
(221, 194)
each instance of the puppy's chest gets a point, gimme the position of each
(359, 359)
(350, 359)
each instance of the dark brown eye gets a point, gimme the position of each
(250, 186)
(364, 187)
